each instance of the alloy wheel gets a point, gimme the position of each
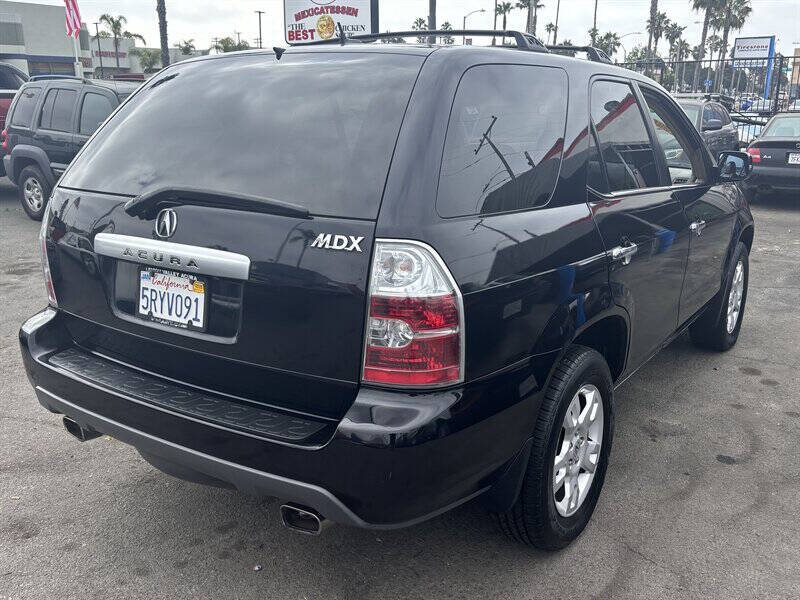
(735, 297)
(32, 190)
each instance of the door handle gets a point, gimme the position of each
(624, 253)
(697, 227)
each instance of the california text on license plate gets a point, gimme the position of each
(794, 158)
(172, 298)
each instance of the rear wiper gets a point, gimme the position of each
(201, 197)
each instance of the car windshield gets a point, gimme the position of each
(783, 127)
(691, 111)
(316, 129)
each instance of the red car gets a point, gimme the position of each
(11, 79)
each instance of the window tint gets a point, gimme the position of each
(721, 114)
(782, 127)
(26, 103)
(46, 115)
(9, 80)
(625, 146)
(681, 151)
(504, 140)
(94, 110)
(314, 129)
(708, 113)
(62, 110)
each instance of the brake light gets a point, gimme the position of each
(415, 326)
(48, 277)
(5, 140)
(755, 154)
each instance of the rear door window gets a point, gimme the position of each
(46, 114)
(316, 129)
(26, 104)
(624, 143)
(504, 140)
(63, 109)
(94, 110)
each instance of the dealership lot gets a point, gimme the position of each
(700, 499)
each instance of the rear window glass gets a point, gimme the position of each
(315, 129)
(26, 103)
(783, 127)
(504, 141)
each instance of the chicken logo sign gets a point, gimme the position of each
(316, 20)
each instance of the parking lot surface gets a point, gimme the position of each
(700, 500)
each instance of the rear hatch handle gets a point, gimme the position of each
(147, 203)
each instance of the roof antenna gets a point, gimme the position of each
(342, 37)
(278, 51)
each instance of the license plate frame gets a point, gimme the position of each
(194, 287)
(793, 158)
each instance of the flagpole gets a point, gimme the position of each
(78, 67)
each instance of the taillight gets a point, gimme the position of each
(415, 326)
(5, 140)
(755, 154)
(48, 277)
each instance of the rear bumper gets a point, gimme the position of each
(394, 459)
(781, 178)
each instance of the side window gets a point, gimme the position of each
(94, 110)
(624, 144)
(46, 116)
(504, 140)
(62, 110)
(26, 104)
(721, 114)
(708, 113)
(680, 148)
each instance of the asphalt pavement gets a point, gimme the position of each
(700, 500)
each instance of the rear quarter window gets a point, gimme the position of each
(25, 105)
(504, 140)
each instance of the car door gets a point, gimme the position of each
(642, 223)
(731, 135)
(94, 107)
(53, 132)
(709, 207)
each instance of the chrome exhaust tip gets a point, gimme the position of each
(83, 434)
(302, 519)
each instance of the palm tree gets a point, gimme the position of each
(532, 7)
(710, 8)
(148, 58)
(593, 32)
(609, 43)
(186, 46)
(503, 8)
(555, 28)
(420, 24)
(161, 9)
(446, 40)
(652, 19)
(228, 44)
(549, 28)
(734, 16)
(115, 25)
(673, 32)
(656, 27)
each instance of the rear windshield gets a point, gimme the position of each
(783, 127)
(314, 129)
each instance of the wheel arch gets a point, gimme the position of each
(25, 155)
(608, 334)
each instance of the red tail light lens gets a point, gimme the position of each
(5, 139)
(755, 154)
(415, 328)
(48, 277)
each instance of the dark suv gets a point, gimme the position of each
(49, 120)
(713, 122)
(379, 280)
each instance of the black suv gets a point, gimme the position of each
(713, 122)
(48, 122)
(379, 280)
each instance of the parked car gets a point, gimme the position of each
(776, 158)
(51, 118)
(11, 79)
(714, 123)
(761, 106)
(378, 300)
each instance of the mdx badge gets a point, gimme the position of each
(348, 243)
(166, 223)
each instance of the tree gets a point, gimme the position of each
(115, 25)
(652, 19)
(149, 58)
(733, 16)
(593, 31)
(186, 46)
(420, 24)
(593, 36)
(555, 26)
(532, 6)
(503, 8)
(609, 43)
(161, 9)
(549, 28)
(656, 27)
(446, 40)
(228, 44)
(393, 40)
(673, 32)
(710, 8)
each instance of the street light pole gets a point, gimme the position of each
(625, 52)
(464, 24)
(260, 40)
(99, 52)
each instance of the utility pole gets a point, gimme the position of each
(99, 52)
(238, 37)
(260, 39)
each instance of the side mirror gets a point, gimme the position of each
(734, 166)
(712, 125)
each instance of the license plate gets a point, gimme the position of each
(794, 158)
(172, 298)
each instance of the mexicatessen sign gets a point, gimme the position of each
(314, 20)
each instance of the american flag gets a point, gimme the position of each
(73, 18)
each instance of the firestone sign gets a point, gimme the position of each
(752, 48)
(314, 20)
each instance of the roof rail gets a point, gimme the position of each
(594, 54)
(524, 41)
(46, 77)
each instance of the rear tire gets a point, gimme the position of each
(34, 191)
(544, 514)
(718, 329)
